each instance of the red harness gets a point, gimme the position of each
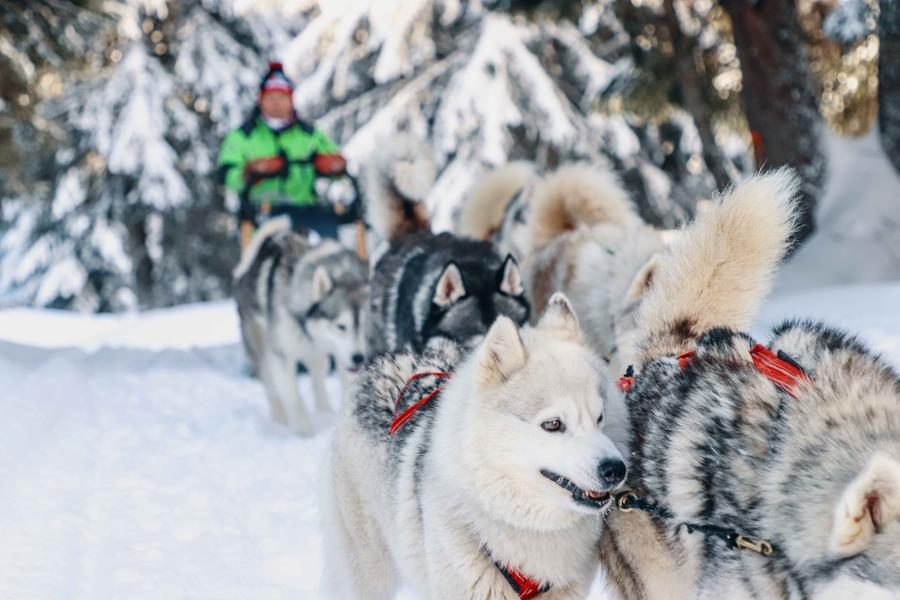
(401, 419)
(777, 368)
(524, 586)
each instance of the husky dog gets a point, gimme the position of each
(492, 486)
(396, 180)
(496, 208)
(589, 242)
(300, 303)
(795, 446)
(428, 286)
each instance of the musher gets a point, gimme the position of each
(273, 160)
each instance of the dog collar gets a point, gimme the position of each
(779, 368)
(401, 419)
(525, 587)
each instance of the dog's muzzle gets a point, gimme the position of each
(590, 498)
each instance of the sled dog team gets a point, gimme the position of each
(560, 388)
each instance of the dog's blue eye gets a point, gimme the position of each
(553, 426)
(342, 327)
(599, 419)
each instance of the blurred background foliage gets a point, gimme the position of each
(111, 111)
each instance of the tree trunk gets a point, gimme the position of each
(143, 264)
(781, 106)
(889, 80)
(694, 101)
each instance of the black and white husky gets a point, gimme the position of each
(479, 474)
(300, 303)
(428, 286)
(768, 472)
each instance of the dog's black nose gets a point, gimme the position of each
(358, 359)
(612, 472)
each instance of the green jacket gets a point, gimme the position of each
(255, 139)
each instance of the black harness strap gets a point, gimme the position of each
(629, 501)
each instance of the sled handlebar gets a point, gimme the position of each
(345, 213)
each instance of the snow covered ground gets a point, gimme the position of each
(137, 460)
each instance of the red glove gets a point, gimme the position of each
(263, 166)
(329, 165)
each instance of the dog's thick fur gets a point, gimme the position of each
(589, 242)
(396, 181)
(577, 196)
(717, 443)
(300, 303)
(428, 286)
(485, 207)
(461, 485)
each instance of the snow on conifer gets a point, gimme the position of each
(132, 214)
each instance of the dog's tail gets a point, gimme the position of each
(396, 183)
(721, 267)
(482, 213)
(575, 196)
(268, 229)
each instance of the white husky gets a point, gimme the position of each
(493, 487)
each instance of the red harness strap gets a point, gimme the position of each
(626, 381)
(777, 368)
(685, 359)
(524, 586)
(406, 415)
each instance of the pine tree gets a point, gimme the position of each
(485, 86)
(133, 217)
(127, 212)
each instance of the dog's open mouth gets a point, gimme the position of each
(591, 498)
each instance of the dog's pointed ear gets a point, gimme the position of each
(449, 286)
(501, 354)
(641, 283)
(869, 503)
(322, 283)
(511, 277)
(559, 318)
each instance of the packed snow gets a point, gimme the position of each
(138, 459)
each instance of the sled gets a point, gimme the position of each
(252, 216)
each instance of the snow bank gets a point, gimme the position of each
(188, 326)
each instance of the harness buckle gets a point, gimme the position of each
(762, 547)
(625, 501)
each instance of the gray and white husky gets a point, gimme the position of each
(300, 303)
(493, 487)
(427, 286)
(794, 446)
(588, 241)
(572, 230)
